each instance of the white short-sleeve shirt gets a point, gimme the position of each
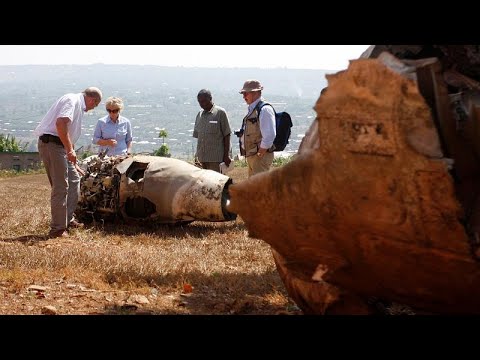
(71, 106)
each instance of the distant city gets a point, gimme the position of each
(155, 97)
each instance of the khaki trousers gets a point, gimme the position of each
(258, 164)
(65, 183)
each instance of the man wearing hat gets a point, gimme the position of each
(258, 130)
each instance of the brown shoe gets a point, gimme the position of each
(74, 224)
(57, 233)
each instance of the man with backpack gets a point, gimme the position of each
(258, 129)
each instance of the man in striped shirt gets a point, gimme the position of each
(212, 129)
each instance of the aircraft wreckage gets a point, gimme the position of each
(152, 189)
(383, 199)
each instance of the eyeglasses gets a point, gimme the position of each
(113, 111)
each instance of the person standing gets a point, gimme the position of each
(113, 132)
(212, 129)
(258, 131)
(58, 132)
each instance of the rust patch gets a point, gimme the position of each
(370, 137)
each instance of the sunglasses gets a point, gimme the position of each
(113, 111)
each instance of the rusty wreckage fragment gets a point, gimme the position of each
(152, 189)
(383, 199)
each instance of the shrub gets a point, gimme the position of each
(162, 151)
(10, 144)
(281, 160)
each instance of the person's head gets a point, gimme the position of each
(204, 99)
(92, 96)
(114, 106)
(251, 91)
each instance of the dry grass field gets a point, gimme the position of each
(200, 268)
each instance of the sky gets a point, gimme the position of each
(327, 57)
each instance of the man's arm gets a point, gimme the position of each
(129, 138)
(225, 125)
(226, 150)
(97, 133)
(267, 128)
(62, 130)
(195, 129)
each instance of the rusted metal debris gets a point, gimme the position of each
(464, 59)
(153, 189)
(382, 199)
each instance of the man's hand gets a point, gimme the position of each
(227, 160)
(79, 170)
(112, 142)
(261, 152)
(197, 162)
(72, 156)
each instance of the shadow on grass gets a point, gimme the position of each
(196, 229)
(26, 239)
(214, 294)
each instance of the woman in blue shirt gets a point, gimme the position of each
(113, 132)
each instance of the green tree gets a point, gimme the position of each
(10, 144)
(164, 150)
(163, 134)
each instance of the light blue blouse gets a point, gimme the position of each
(120, 131)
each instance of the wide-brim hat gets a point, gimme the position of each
(251, 85)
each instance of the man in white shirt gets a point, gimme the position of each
(58, 131)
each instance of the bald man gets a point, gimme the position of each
(58, 131)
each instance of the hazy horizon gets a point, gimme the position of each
(301, 57)
(155, 97)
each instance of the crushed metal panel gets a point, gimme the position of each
(99, 188)
(124, 165)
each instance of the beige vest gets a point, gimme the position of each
(252, 134)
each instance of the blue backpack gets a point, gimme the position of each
(283, 123)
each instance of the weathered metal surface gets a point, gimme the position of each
(464, 59)
(368, 207)
(153, 189)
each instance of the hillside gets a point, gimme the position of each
(156, 97)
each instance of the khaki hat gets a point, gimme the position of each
(251, 85)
